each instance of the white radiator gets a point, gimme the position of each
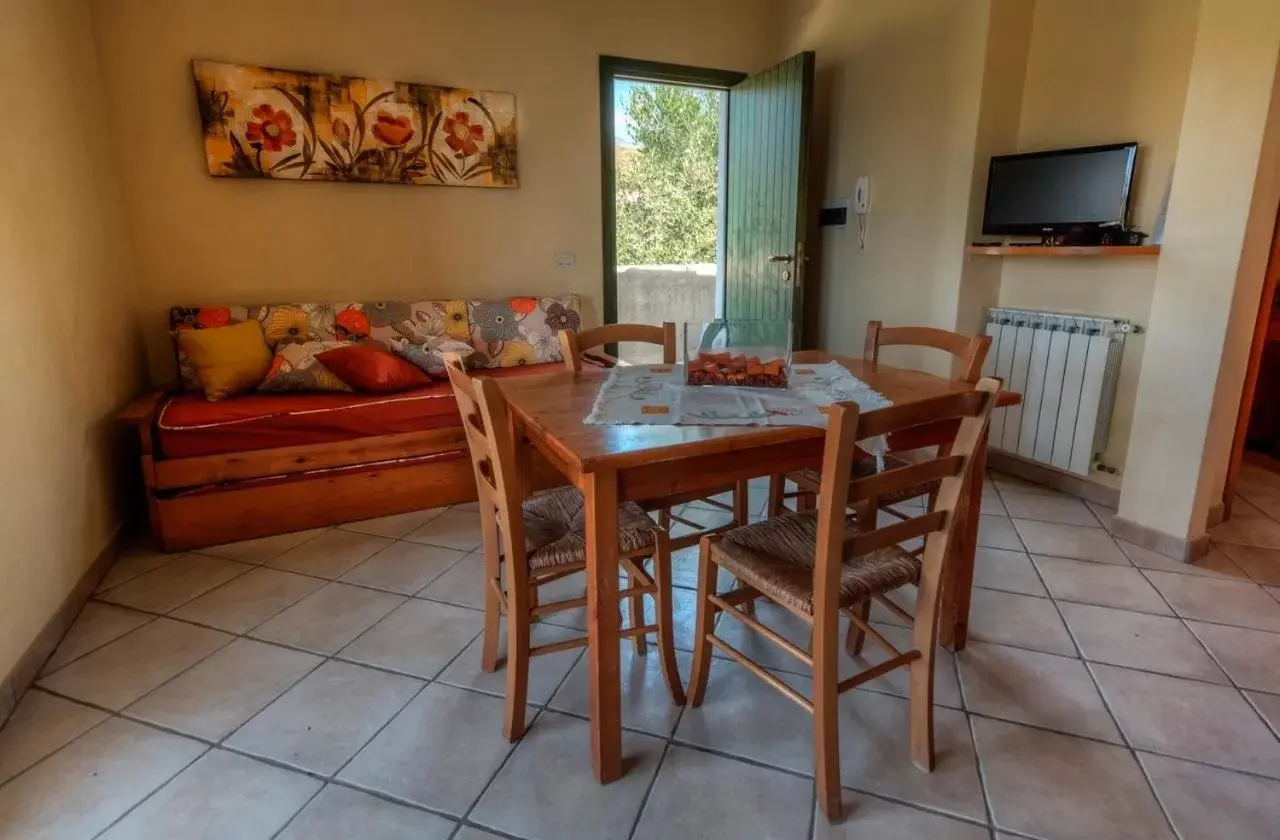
(1066, 367)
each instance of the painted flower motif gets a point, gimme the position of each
(524, 305)
(289, 325)
(456, 324)
(515, 354)
(546, 347)
(387, 313)
(212, 316)
(351, 324)
(273, 129)
(394, 131)
(560, 317)
(341, 132)
(183, 318)
(497, 321)
(461, 136)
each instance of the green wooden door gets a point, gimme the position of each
(765, 193)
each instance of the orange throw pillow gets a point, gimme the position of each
(373, 370)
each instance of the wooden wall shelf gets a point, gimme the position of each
(1063, 250)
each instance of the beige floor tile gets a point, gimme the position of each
(472, 833)
(441, 721)
(262, 549)
(340, 813)
(418, 638)
(1268, 705)
(1243, 507)
(868, 818)
(174, 584)
(998, 532)
(119, 673)
(130, 564)
(1215, 564)
(566, 588)
(397, 526)
(1105, 513)
(1018, 620)
(545, 672)
(1136, 640)
(1187, 719)
(1008, 571)
(1067, 510)
(1034, 688)
(946, 689)
(693, 788)
(1261, 564)
(93, 781)
(329, 619)
(324, 720)
(1221, 601)
(221, 795)
(1058, 787)
(752, 643)
(646, 702)
(464, 585)
(97, 624)
(743, 716)
(1205, 803)
(1246, 530)
(39, 725)
(216, 696)
(684, 570)
(452, 529)
(404, 567)
(993, 505)
(904, 597)
(242, 604)
(1058, 540)
(331, 554)
(1122, 587)
(875, 755)
(538, 794)
(1250, 657)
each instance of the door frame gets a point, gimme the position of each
(1262, 322)
(614, 67)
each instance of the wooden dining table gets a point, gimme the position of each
(614, 464)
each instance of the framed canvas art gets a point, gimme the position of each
(261, 122)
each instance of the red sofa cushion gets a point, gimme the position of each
(189, 425)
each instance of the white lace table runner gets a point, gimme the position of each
(657, 396)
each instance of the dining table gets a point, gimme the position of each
(612, 464)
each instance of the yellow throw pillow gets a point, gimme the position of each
(228, 360)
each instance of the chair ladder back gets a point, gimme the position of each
(573, 344)
(486, 422)
(970, 351)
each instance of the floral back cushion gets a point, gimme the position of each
(297, 368)
(522, 330)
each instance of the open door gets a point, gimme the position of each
(768, 142)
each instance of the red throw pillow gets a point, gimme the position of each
(370, 369)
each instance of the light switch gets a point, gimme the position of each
(566, 259)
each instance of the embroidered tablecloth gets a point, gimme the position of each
(658, 396)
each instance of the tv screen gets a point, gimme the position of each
(1046, 192)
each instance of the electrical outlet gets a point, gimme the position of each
(566, 259)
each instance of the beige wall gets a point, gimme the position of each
(1222, 211)
(201, 240)
(1086, 84)
(69, 351)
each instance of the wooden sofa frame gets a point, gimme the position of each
(210, 499)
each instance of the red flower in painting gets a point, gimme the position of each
(524, 305)
(273, 130)
(213, 316)
(461, 135)
(394, 131)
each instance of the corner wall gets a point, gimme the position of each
(70, 353)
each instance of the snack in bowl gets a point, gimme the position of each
(724, 368)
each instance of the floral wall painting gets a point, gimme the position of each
(260, 122)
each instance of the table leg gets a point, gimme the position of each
(604, 693)
(953, 630)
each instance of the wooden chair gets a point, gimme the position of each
(817, 564)
(540, 539)
(969, 352)
(574, 344)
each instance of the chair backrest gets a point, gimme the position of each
(846, 426)
(970, 351)
(487, 424)
(572, 344)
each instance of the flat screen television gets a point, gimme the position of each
(1055, 192)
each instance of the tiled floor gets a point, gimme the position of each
(326, 685)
